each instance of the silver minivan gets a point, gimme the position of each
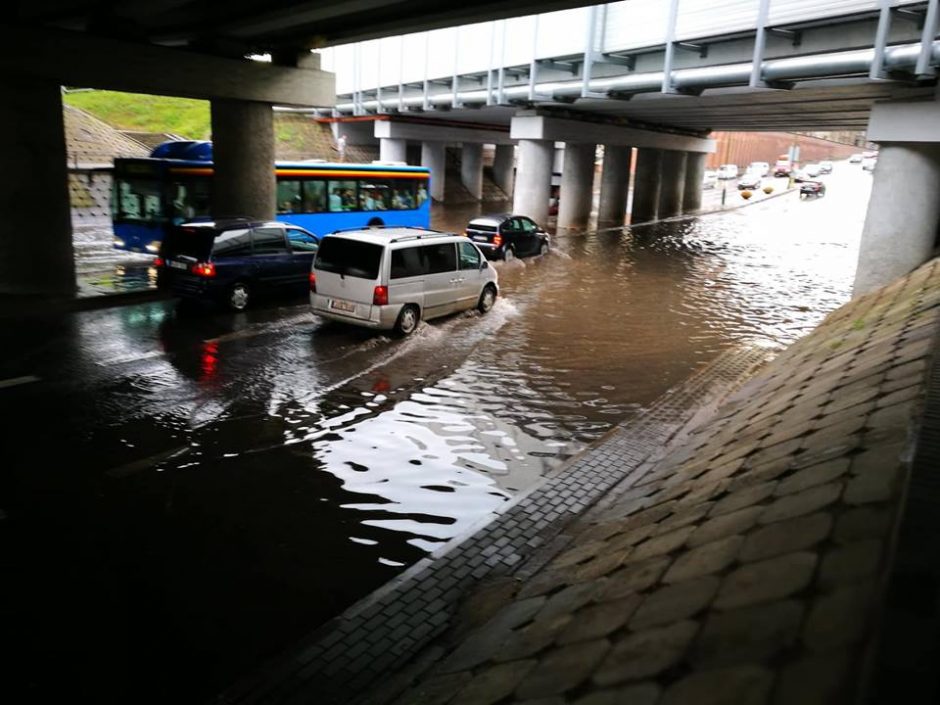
(391, 278)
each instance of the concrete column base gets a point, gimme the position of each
(471, 168)
(615, 184)
(577, 186)
(534, 179)
(900, 231)
(646, 185)
(36, 256)
(672, 184)
(393, 150)
(243, 156)
(432, 157)
(694, 175)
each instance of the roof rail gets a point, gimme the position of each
(382, 227)
(432, 233)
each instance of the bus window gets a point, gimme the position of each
(288, 197)
(314, 196)
(342, 196)
(403, 196)
(139, 199)
(374, 195)
(189, 200)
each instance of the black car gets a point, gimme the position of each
(507, 236)
(234, 261)
(812, 188)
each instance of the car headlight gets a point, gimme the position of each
(153, 247)
(118, 242)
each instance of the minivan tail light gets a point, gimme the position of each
(380, 296)
(497, 240)
(203, 269)
(313, 282)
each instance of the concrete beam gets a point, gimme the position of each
(393, 150)
(471, 168)
(243, 153)
(504, 167)
(423, 132)
(577, 182)
(534, 179)
(615, 183)
(541, 127)
(76, 59)
(672, 184)
(905, 121)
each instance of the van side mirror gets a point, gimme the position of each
(484, 264)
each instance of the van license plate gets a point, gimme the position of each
(177, 265)
(479, 238)
(342, 305)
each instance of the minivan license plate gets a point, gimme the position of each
(342, 305)
(177, 265)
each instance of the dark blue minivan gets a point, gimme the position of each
(233, 262)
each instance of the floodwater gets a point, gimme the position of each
(189, 493)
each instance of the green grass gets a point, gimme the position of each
(149, 113)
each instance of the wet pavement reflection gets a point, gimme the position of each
(187, 492)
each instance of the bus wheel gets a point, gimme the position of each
(238, 296)
(373, 222)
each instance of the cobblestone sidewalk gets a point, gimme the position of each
(747, 566)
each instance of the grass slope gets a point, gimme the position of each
(149, 113)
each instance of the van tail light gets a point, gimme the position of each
(380, 296)
(158, 262)
(497, 240)
(313, 282)
(203, 269)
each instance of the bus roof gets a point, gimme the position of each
(292, 165)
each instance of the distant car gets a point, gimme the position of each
(855, 159)
(812, 188)
(728, 171)
(234, 261)
(784, 167)
(751, 181)
(812, 170)
(710, 178)
(507, 236)
(760, 168)
(868, 163)
(825, 167)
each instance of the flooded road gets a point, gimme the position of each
(189, 493)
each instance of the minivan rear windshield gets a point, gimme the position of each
(351, 258)
(188, 242)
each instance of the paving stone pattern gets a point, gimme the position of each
(746, 565)
(385, 631)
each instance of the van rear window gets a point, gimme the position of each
(188, 242)
(351, 258)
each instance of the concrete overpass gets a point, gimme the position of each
(659, 75)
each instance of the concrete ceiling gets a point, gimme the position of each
(239, 27)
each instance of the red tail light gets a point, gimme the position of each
(203, 269)
(313, 282)
(380, 296)
(497, 240)
(158, 262)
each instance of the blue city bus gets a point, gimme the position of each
(174, 185)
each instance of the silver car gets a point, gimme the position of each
(391, 278)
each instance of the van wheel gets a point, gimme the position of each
(407, 320)
(238, 296)
(487, 299)
(509, 254)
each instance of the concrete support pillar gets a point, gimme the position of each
(577, 186)
(243, 156)
(672, 184)
(36, 236)
(534, 179)
(471, 168)
(694, 175)
(393, 150)
(615, 183)
(432, 157)
(503, 167)
(646, 183)
(900, 229)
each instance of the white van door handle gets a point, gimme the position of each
(456, 281)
